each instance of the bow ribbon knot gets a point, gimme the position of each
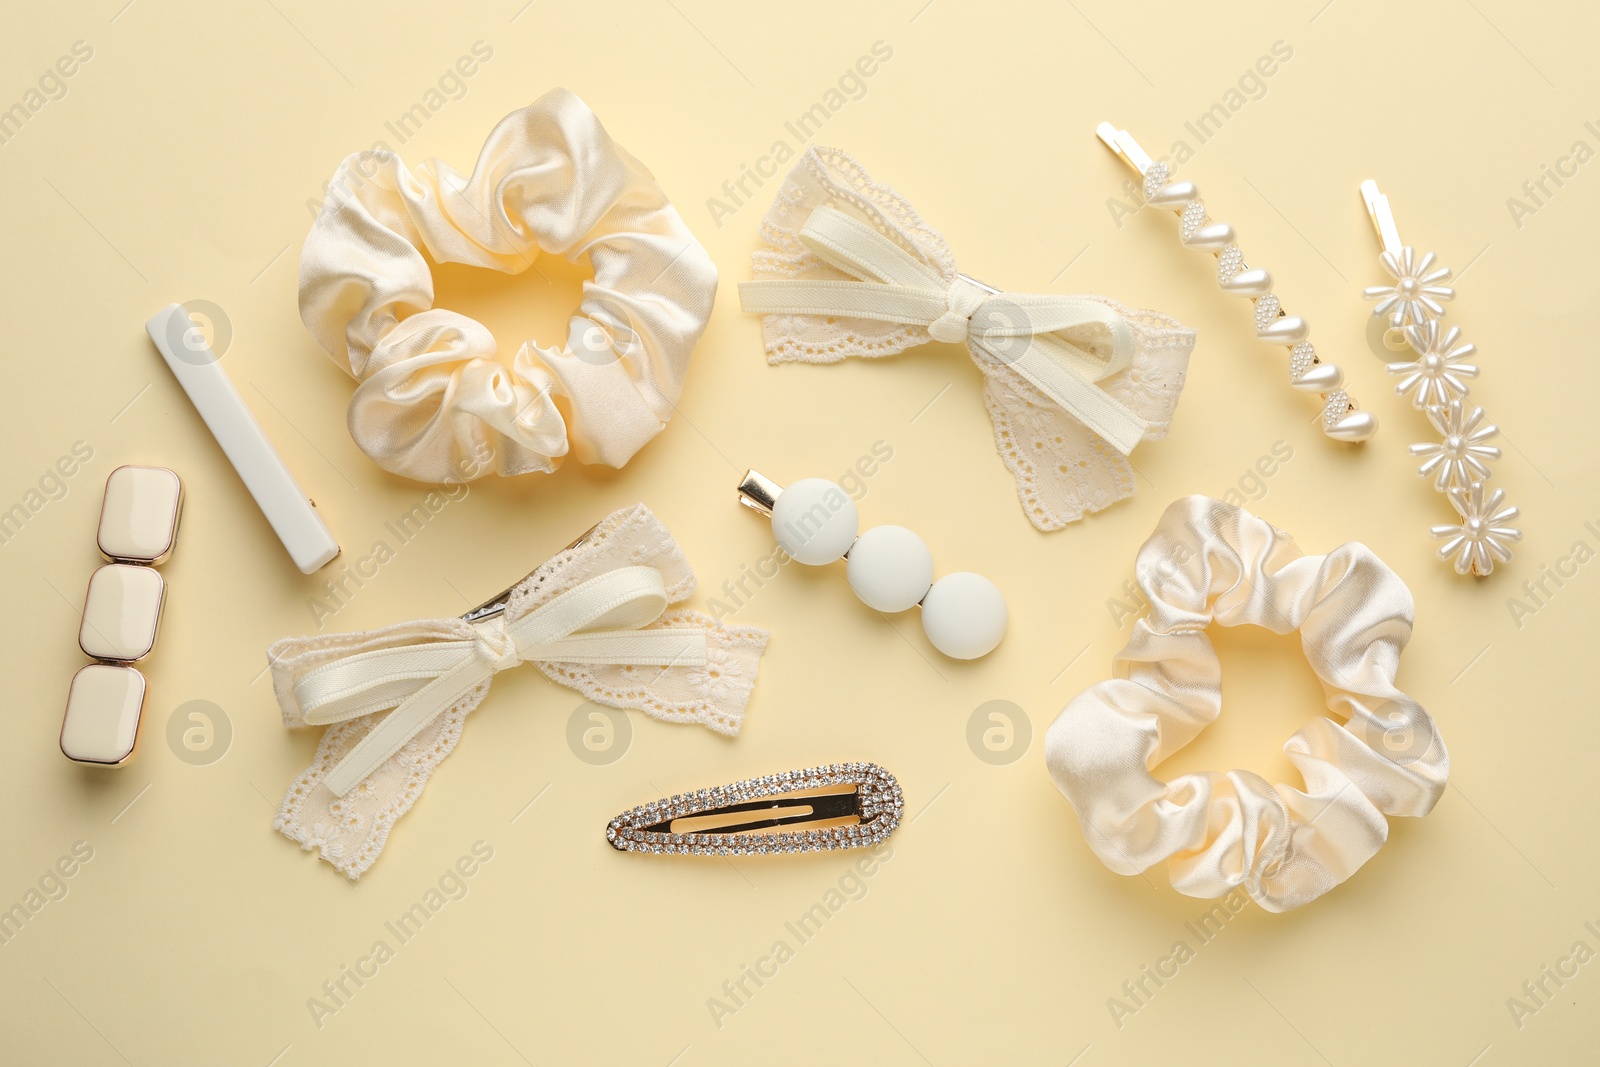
(494, 644)
(601, 620)
(1025, 333)
(961, 300)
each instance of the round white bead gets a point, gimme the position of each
(964, 615)
(890, 568)
(814, 521)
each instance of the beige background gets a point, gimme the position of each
(178, 165)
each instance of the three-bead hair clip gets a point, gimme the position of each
(1434, 383)
(1307, 370)
(890, 568)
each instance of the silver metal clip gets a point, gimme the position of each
(758, 492)
(496, 604)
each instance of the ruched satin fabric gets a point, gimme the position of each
(437, 402)
(1380, 755)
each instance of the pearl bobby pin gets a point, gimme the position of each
(889, 567)
(1458, 463)
(1307, 371)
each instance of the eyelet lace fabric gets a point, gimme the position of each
(1063, 469)
(350, 831)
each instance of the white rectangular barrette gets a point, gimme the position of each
(199, 370)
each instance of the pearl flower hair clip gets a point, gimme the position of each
(1434, 382)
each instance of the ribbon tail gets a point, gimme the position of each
(1085, 401)
(677, 646)
(877, 301)
(404, 723)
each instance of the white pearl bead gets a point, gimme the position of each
(1356, 426)
(1212, 237)
(1252, 282)
(814, 521)
(1322, 378)
(1174, 195)
(890, 568)
(1287, 330)
(964, 615)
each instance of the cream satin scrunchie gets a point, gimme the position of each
(436, 402)
(1209, 561)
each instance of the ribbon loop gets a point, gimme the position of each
(600, 620)
(494, 644)
(961, 301)
(1023, 333)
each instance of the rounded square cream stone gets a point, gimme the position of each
(103, 710)
(139, 519)
(121, 612)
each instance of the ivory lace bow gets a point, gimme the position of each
(1072, 383)
(594, 618)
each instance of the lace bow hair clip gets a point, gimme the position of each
(1072, 383)
(594, 618)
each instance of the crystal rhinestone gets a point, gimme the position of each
(1267, 309)
(876, 798)
(1193, 217)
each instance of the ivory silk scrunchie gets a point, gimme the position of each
(1209, 561)
(1072, 383)
(436, 402)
